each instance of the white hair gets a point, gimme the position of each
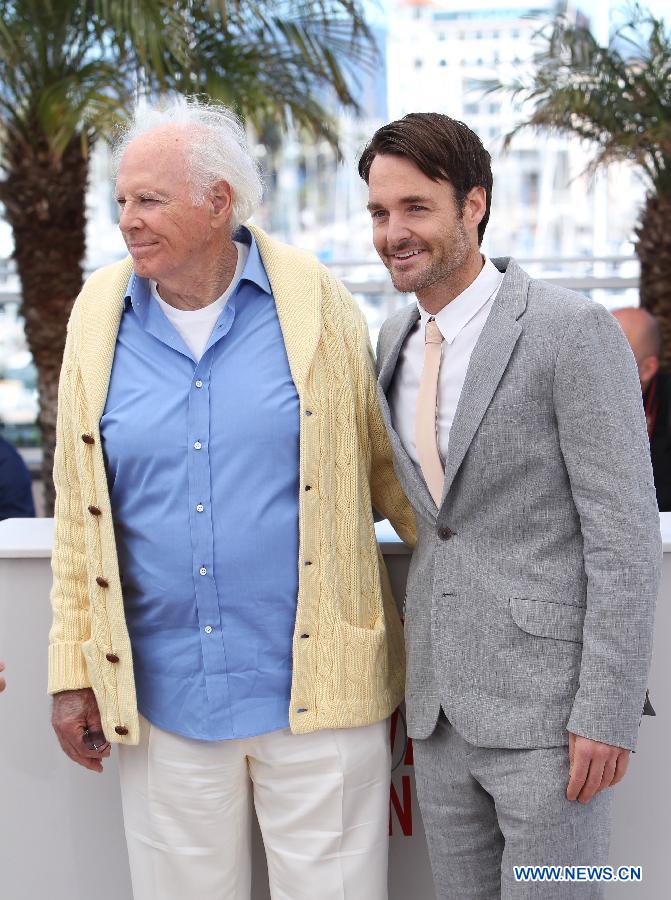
(218, 151)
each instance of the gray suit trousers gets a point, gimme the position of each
(486, 810)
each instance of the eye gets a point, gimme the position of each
(417, 208)
(378, 213)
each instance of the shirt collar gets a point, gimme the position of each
(454, 317)
(138, 293)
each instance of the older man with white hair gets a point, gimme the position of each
(220, 610)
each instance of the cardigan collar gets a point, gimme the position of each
(295, 280)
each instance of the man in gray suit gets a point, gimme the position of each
(514, 411)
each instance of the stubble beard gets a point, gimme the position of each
(453, 256)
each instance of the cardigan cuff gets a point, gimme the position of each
(67, 668)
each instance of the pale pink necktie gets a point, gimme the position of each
(425, 422)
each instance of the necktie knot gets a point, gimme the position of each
(432, 334)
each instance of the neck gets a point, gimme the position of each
(437, 296)
(202, 286)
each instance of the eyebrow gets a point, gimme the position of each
(412, 198)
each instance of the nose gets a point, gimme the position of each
(128, 217)
(397, 231)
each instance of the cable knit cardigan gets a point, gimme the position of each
(349, 670)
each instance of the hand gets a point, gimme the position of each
(73, 713)
(3, 683)
(593, 766)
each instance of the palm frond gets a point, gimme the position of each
(618, 97)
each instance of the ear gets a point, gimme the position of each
(475, 207)
(221, 200)
(648, 369)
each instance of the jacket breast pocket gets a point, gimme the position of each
(544, 618)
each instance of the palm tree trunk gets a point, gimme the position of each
(654, 252)
(44, 200)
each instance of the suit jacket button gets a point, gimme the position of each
(88, 439)
(121, 729)
(112, 657)
(445, 533)
(103, 582)
(95, 510)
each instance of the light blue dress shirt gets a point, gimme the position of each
(203, 469)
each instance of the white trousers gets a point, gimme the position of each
(322, 801)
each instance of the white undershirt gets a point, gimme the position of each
(195, 325)
(460, 323)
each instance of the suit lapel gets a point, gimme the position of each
(388, 367)
(487, 365)
(416, 485)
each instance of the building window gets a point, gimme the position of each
(418, 63)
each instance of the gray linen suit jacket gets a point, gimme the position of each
(531, 592)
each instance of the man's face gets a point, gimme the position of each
(164, 230)
(418, 229)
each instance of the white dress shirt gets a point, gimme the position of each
(460, 323)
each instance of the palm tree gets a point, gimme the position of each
(71, 69)
(618, 98)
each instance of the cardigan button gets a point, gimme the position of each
(88, 439)
(95, 510)
(112, 657)
(103, 582)
(445, 533)
(121, 729)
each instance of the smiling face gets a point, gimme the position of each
(166, 233)
(428, 244)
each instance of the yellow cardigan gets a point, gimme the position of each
(351, 669)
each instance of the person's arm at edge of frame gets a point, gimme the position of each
(74, 704)
(603, 440)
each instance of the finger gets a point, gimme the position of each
(621, 767)
(571, 748)
(577, 775)
(593, 781)
(70, 751)
(608, 773)
(70, 736)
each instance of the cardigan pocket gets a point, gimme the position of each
(364, 653)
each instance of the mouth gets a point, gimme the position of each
(139, 247)
(405, 255)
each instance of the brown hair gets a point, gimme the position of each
(442, 148)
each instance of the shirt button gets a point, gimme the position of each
(199, 383)
(208, 629)
(200, 507)
(197, 445)
(203, 570)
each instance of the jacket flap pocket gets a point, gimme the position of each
(546, 619)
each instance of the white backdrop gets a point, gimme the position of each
(61, 834)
